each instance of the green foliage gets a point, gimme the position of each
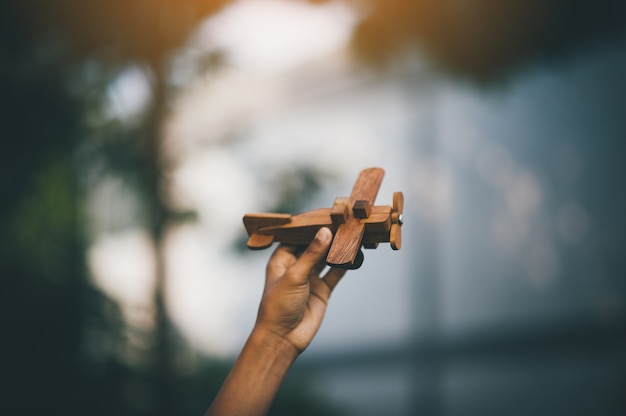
(66, 347)
(43, 225)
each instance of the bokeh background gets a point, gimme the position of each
(136, 134)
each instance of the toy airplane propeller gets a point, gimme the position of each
(354, 220)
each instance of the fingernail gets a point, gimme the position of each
(323, 235)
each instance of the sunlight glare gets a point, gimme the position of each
(275, 35)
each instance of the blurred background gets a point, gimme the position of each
(136, 134)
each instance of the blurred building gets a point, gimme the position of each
(508, 295)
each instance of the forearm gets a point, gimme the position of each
(255, 377)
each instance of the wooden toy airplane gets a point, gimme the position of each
(354, 220)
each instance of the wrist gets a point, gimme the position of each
(278, 346)
(256, 375)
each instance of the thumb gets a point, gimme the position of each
(299, 272)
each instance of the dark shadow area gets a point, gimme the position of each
(486, 41)
(66, 348)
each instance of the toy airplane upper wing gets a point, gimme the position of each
(354, 220)
(344, 252)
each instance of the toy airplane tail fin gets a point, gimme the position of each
(254, 224)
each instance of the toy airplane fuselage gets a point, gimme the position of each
(354, 220)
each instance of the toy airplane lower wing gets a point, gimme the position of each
(354, 220)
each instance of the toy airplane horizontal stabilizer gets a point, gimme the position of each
(354, 220)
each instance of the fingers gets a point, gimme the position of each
(323, 287)
(282, 258)
(312, 258)
(333, 276)
(319, 267)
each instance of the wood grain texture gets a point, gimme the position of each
(354, 220)
(367, 185)
(348, 238)
(259, 241)
(346, 243)
(254, 222)
(395, 237)
(339, 212)
(397, 209)
(361, 209)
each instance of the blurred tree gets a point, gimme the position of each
(486, 40)
(66, 346)
(62, 337)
